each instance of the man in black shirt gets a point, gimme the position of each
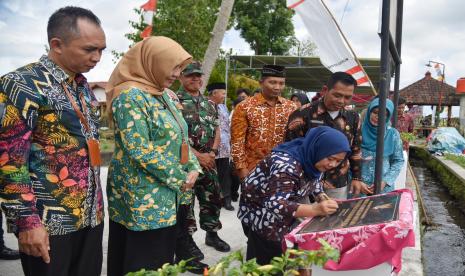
(330, 111)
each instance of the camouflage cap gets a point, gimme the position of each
(193, 68)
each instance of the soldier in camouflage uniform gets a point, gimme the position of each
(204, 137)
(186, 249)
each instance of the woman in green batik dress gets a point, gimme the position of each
(152, 166)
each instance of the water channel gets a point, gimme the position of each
(443, 243)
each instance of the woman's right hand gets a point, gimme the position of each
(326, 207)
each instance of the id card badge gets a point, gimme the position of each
(94, 152)
(184, 153)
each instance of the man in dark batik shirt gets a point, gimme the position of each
(330, 111)
(49, 160)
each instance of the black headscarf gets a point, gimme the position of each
(303, 99)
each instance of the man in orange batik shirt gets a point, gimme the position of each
(258, 123)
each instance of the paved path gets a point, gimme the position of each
(231, 233)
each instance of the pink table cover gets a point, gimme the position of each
(363, 247)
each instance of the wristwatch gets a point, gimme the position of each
(215, 151)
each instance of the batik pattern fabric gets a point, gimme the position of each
(271, 194)
(348, 122)
(256, 128)
(145, 174)
(392, 165)
(224, 150)
(202, 120)
(45, 174)
(405, 123)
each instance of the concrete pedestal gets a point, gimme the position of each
(384, 269)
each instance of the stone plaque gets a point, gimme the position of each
(358, 212)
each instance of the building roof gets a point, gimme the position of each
(426, 91)
(304, 73)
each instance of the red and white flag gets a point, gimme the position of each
(148, 10)
(334, 54)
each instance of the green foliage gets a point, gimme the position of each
(189, 22)
(234, 81)
(289, 263)
(266, 25)
(408, 137)
(234, 264)
(453, 183)
(165, 270)
(459, 159)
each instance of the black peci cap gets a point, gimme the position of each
(273, 71)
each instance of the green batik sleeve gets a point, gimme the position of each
(150, 153)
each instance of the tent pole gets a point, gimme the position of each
(385, 79)
(449, 115)
(400, 13)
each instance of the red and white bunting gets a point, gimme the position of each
(148, 10)
(334, 53)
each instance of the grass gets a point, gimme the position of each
(459, 159)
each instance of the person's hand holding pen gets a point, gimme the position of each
(326, 205)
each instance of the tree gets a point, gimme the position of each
(303, 48)
(235, 80)
(266, 25)
(214, 45)
(188, 22)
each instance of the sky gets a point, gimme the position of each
(432, 30)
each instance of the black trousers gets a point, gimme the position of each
(224, 176)
(130, 251)
(78, 253)
(182, 233)
(235, 184)
(262, 249)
